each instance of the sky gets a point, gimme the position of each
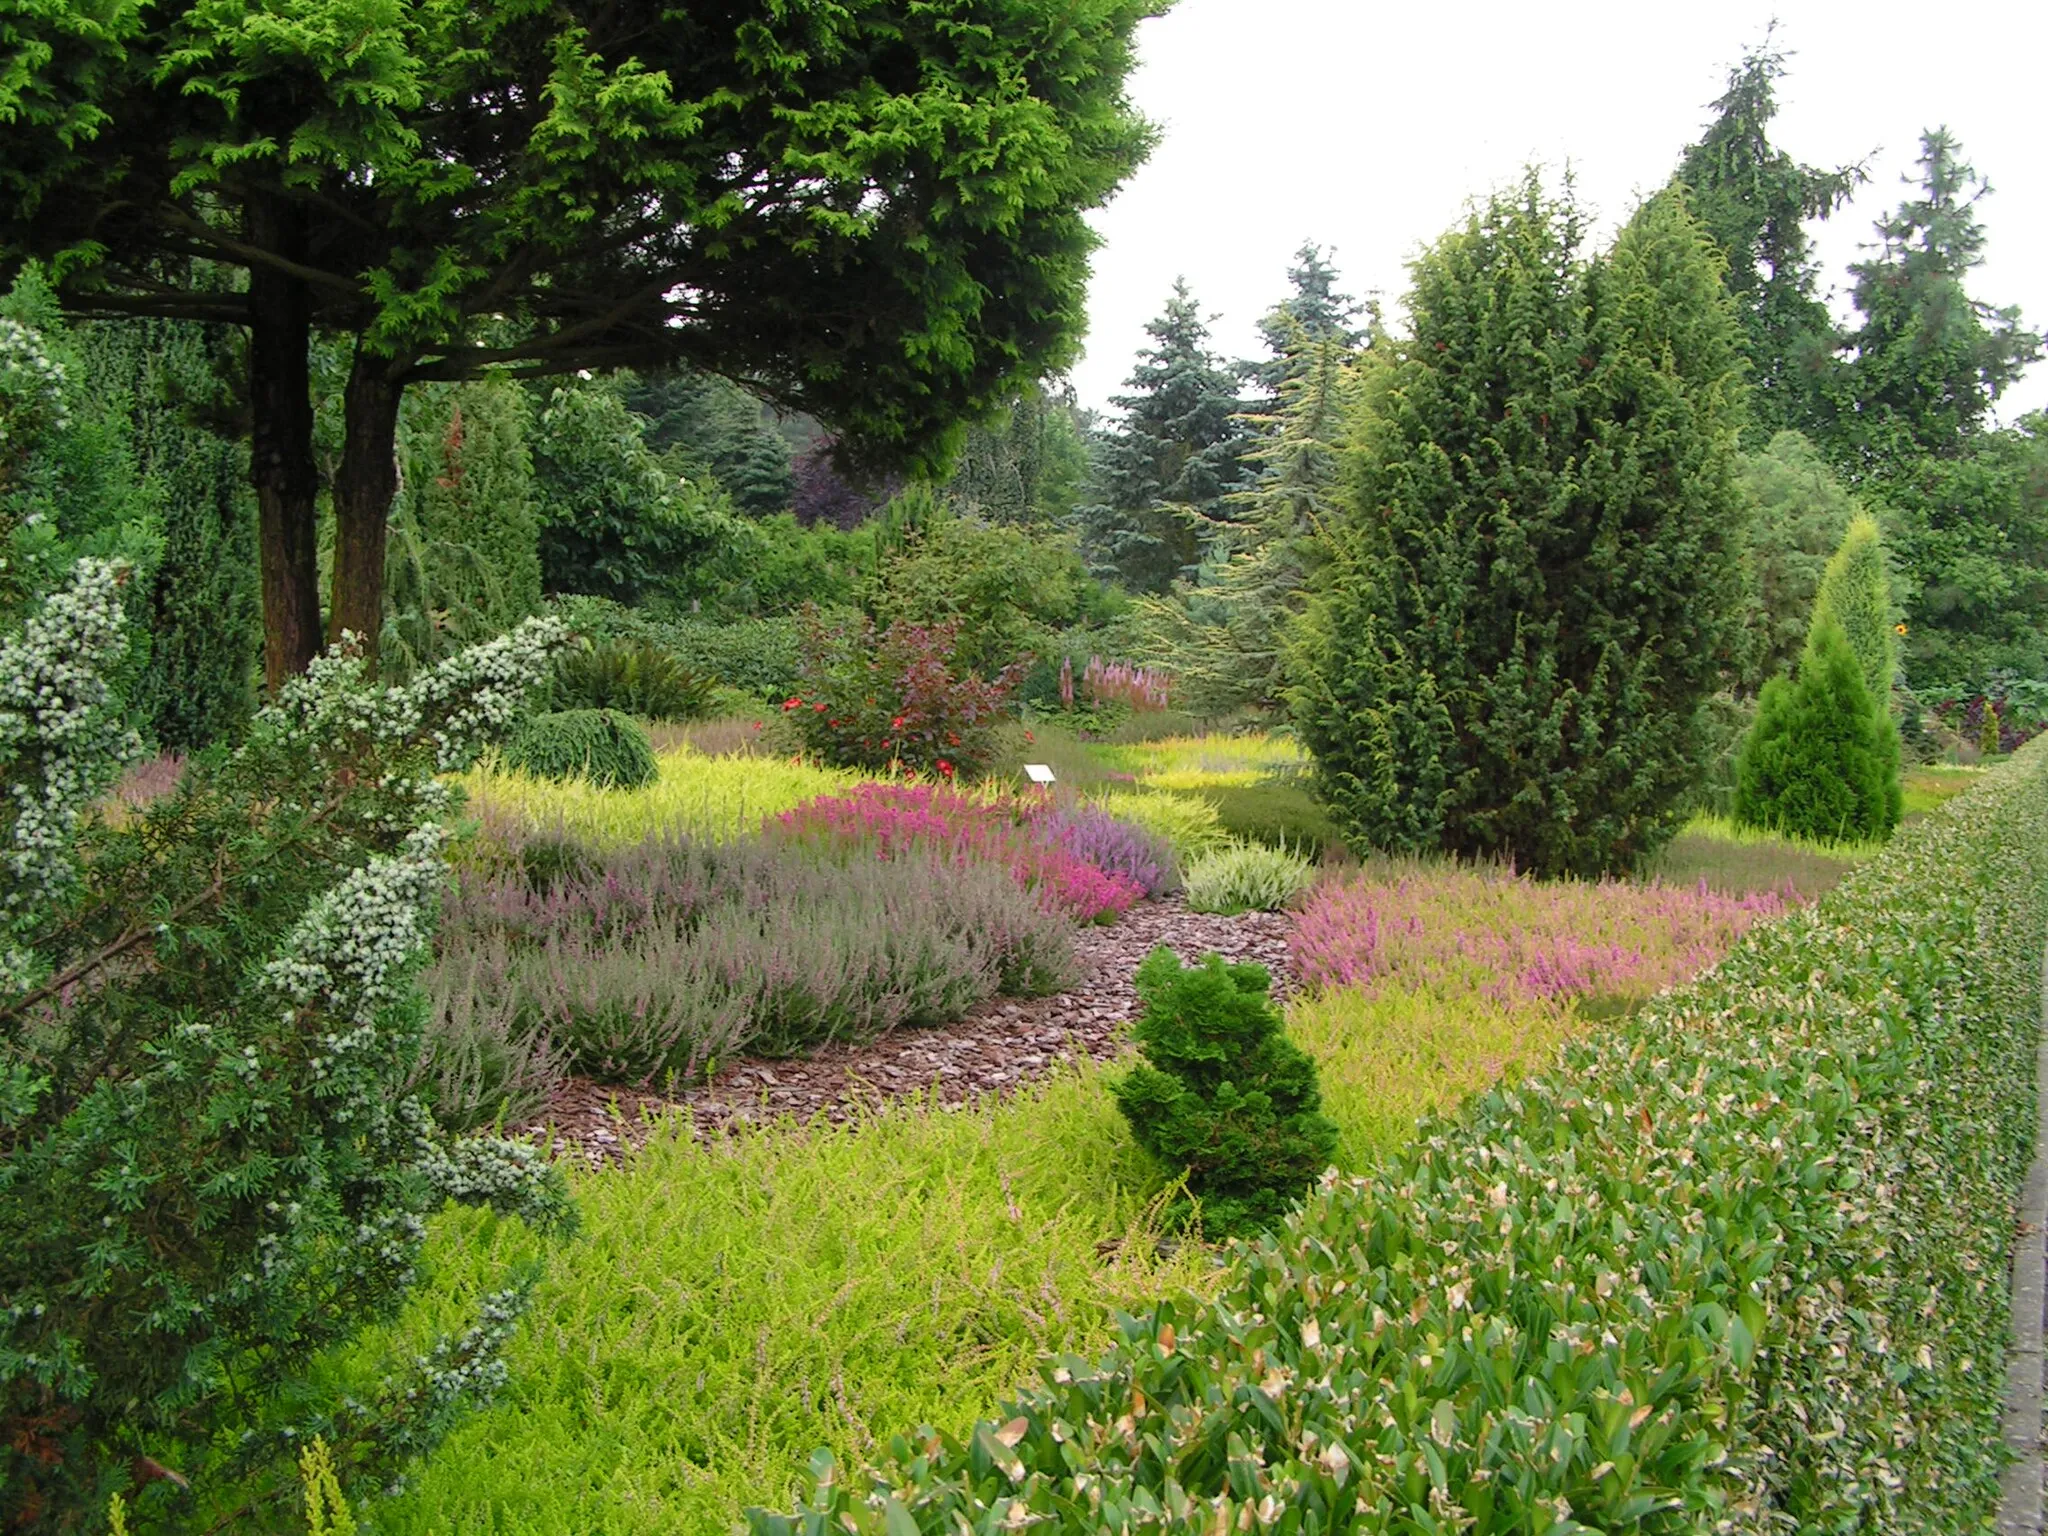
(1370, 127)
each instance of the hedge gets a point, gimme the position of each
(1738, 1265)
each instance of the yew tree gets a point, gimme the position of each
(868, 210)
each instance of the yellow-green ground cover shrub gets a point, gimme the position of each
(1737, 1263)
(695, 796)
(735, 1305)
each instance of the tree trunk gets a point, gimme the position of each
(281, 466)
(364, 485)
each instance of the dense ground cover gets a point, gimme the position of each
(1737, 1260)
(739, 1304)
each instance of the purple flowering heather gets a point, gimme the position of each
(1114, 847)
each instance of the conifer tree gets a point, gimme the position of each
(1164, 474)
(1755, 200)
(1856, 595)
(1798, 512)
(1315, 313)
(173, 380)
(1822, 759)
(1539, 580)
(720, 429)
(465, 558)
(1930, 362)
(1221, 635)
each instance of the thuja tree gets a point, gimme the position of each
(1798, 513)
(1822, 759)
(1539, 581)
(207, 1013)
(869, 211)
(1856, 594)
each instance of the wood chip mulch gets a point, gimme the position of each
(997, 1048)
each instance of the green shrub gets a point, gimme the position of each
(1279, 812)
(634, 677)
(1856, 592)
(1822, 760)
(1745, 1252)
(1247, 877)
(1988, 732)
(609, 749)
(760, 657)
(1221, 1094)
(903, 696)
(213, 1170)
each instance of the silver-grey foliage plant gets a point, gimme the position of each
(210, 1172)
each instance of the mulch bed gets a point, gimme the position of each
(997, 1048)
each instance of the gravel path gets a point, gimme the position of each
(995, 1049)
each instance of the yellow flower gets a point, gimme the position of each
(1900, 628)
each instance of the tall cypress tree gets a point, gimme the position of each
(1164, 475)
(1539, 582)
(175, 380)
(1856, 596)
(1930, 363)
(1755, 200)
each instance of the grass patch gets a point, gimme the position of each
(1932, 785)
(1738, 860)
(1389, 1057)
(695, 796)
(1277, 812)
(1185, 762)
(734, 1307)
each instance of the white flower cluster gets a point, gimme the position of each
(60, 745)
(473, 695)
(469, 1369)
(31, 389)
(353, 950)
(513, 1178)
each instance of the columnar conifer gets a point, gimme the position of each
(1538, 583)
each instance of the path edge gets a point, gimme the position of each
(2021, 1486)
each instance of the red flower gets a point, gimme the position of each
(789, 704)
(819, 708)
(897, 723)
(952, 740)
(945, 768)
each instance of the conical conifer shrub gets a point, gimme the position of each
(1822, 760)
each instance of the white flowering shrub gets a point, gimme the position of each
(1736, 1266)
(207, 1012)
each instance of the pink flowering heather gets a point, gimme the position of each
(1466, 931)
(897, 819)
(1117, 682)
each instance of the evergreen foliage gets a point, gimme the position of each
(633, 677)
(212, 1171)
(1222, 633)
(1822, 759)
(1315, 315)
(1026, 464)
(1221, 1095)
(1798, 514)
(1755, 201)
(720, 430)
(1930, 361)
(1539, 583)
(1004, 589)
(1164, 474)
(465, 557)
(173, 381)
(608, 748)
(1856, 593)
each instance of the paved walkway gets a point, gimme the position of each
(2020, 1511)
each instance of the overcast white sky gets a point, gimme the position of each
(1368, 126)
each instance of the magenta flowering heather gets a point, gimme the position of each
(897, 819)
(1464, 930)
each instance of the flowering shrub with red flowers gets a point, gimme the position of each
(880, 699)
(901, 820)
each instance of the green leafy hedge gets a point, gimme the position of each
(1737, 1265)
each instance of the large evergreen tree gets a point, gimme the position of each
(1539, 582)
(871, 211)
(1315, 312)
(720, 428)
(1164, 475)
(1930, 362)
(1755, 200)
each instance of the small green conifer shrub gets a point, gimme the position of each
(1988, 731)
(601, 745)
(1822, 760)
(1856, 592)
(1222, 1094)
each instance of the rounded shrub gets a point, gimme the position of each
(609, 749)
(1222, 1095)
(1822, 760)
